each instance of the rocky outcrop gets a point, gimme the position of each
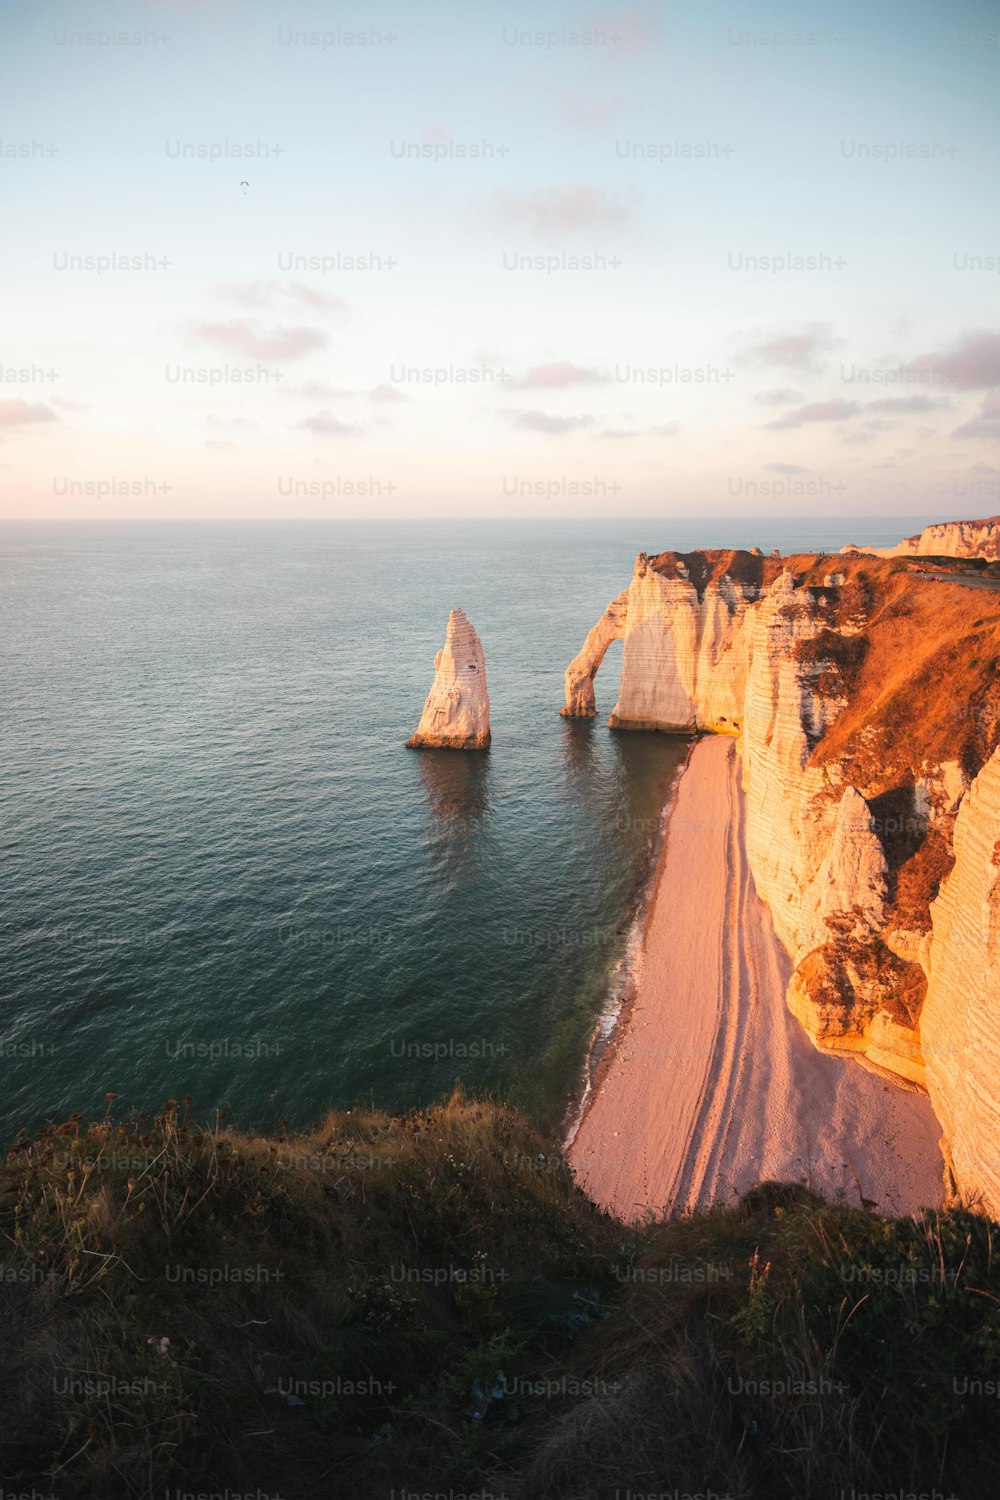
(863, 700)
(850, 885)
(456, 714)
(947, 539)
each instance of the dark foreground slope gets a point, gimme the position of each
(427, 1304)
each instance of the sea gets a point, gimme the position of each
(223, 876)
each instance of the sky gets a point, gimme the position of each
(286, 258)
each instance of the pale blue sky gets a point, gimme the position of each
(769, 122)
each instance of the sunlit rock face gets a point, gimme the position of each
(456, 715)
(864, 701)
(684, 657)
(960, 1021)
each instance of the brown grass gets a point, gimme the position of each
(839, 658)
(927, 690)
(705, 567)
(608, 1358)
(918, 882)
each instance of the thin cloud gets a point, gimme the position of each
(271, 294)
(387, 393)
(327, 425)
(65, 404)
(562, 210)
(247, 293)
(666, 429)
(986, 424)
(20, 413)
(805, 350)
(582, 114)
(317, 389)
(817, 411)
(308, 296)
(971, 364)
(557, 377)
(541, 421)
(636, 28)
(908, 404)
(778, 396)
(212, 421)
(218, 443)
(255, 342)
(786, 468)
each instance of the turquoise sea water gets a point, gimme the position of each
(221, 873)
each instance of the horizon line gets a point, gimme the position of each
(369, 520)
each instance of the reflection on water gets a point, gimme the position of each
(456, 784)
(643, 760)
(635, 783)
(578, 746)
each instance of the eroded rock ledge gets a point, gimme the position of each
(867, 709)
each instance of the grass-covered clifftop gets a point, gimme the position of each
(427, 1303)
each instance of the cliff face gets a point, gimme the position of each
(456, 714)
(949, 539)
(865, 702)
(684, 658)
(960, 1021)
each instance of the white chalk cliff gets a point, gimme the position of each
(960, 1020)
(851, 805)
(456, 714)
(947, 539)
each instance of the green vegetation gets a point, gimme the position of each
(427, 1303)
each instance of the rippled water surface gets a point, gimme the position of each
(222, 874)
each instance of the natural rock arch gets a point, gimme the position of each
(583, 668)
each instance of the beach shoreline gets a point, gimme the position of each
(612, 1022)
(708, 1084)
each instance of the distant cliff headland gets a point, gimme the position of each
(948, 539)
(866, 704)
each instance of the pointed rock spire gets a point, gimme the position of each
(456, 715)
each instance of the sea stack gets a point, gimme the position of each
(456, 715)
